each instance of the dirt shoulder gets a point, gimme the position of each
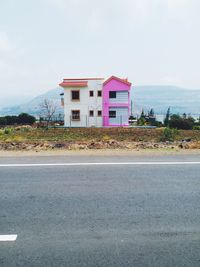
(37, 140)
(100, 152)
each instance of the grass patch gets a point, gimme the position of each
(96, 134)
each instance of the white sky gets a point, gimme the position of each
(148, 41)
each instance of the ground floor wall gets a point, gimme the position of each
(84, 121)
(116, 116)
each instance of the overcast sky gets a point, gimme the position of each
(148, 41)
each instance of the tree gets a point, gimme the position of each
(47, 110)
(142, 114)
(25, 118)
(198, 120)
(167, 117)
(184, 116)
(141, 121)
(151, 113)
(2, 121)
(151, 117)
(178, 122)
(11, 120)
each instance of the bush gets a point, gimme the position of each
(196, 127)
(169, 135)
(25, 118)
(2, 121)
(8, 130)
(10, 120)
(184, 123)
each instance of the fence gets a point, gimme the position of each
(96, 121)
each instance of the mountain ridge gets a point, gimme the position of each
(158, 97)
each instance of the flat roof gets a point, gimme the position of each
(79, 79)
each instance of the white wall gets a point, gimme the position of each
(85, 104)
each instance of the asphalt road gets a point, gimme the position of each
(100, 215)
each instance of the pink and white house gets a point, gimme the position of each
(96, 102)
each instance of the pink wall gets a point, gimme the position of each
(114, 84)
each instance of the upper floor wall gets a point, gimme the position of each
(119, 97)
(80, 92)
(116, 91)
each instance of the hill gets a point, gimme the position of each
(160, 98)
(144, 97)
(33, 106)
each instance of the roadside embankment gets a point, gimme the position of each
(27, 138)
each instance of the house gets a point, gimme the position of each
(95, 102)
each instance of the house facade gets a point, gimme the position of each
(95, 102)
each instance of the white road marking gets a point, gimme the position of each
(101, 163)
(8, 238)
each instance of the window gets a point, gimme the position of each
(112, 114)
(75, 95)
(99, 113)
(75, 115)
(112, 94)
(91, 93)
(91, 113)
(99, 93)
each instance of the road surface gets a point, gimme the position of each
(139, 211)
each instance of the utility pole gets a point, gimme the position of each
(131, 107)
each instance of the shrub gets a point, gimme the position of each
(178, 122)
(8, 130)
(10, 120)
(169, 135)
(2, 121)
(196, 127)
(25, 118)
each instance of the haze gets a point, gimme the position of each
(148, 41)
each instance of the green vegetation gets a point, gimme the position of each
(30, 134)
(196, 127)
(22, 118)
(172, 121)
(167, 117)
(169, 135)
(183, 122)
(148, 119)
(8, 130)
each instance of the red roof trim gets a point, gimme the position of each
(118, 79)
(73, 84)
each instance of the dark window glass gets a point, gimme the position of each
(112, 94)
(75, 95)
(99, 113)
(112, 114)
(76, 115)
(91, 93)
(91, 113)
(100, 93)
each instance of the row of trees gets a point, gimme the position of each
(47, 111)
(22, 118)
(185, 122)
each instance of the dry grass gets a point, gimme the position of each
(96, 134)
